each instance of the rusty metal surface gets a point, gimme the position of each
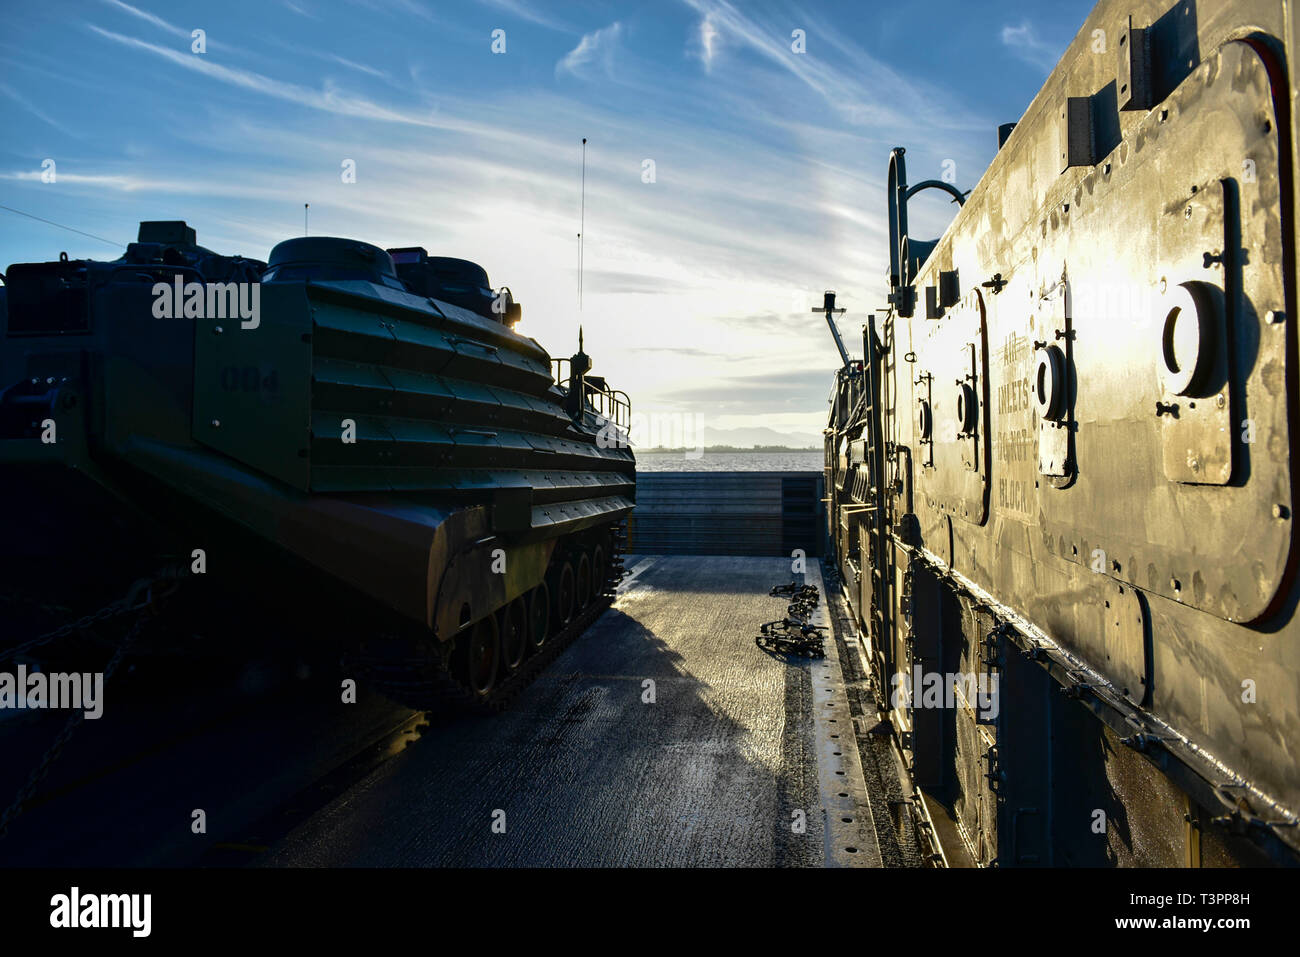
(1125, 451)
(1132, 245)
(952, 361)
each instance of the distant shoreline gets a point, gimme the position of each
(734, 448)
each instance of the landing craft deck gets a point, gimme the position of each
(662, 737)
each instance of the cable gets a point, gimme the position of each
(61, 226)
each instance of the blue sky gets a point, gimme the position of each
(769, 165)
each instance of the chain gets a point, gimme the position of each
(138, 598)
(112, 610)
(38, 774)
(795, 634)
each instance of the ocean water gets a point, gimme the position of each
(729, 461)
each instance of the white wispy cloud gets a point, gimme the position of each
(1023, 41)
(597, 47)
(161, 24)
(33, 109)
(526, 11)
(300, 10)
(148, 17)
(705, 42)
(122, 183)
(328, 99)
(400, 8)
(359, 67)
(331, 57)
(862, 89)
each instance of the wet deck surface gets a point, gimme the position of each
(585, 770)
(587, 767)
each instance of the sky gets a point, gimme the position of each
(729, 178)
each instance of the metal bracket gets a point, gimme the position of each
(1135, 76)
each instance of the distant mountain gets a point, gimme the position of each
(746, 438)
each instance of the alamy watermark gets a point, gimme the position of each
(934, 689)
(670, 431)
(57, 690)
(209, 300)
(75, 909)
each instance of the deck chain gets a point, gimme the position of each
(139, 599)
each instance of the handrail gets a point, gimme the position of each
(901, 293)
(613, 405)
(958, 196)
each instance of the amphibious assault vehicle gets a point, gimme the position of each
(1064, 468)
(358, 438)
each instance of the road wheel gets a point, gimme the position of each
(514, 634)
(479, 653)
(539, 616)
(599, 571)
(583, 581)
(562, 605)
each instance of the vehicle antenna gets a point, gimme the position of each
(582, 219)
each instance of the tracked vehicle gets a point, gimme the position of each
(358, 443)
(1065, 466)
